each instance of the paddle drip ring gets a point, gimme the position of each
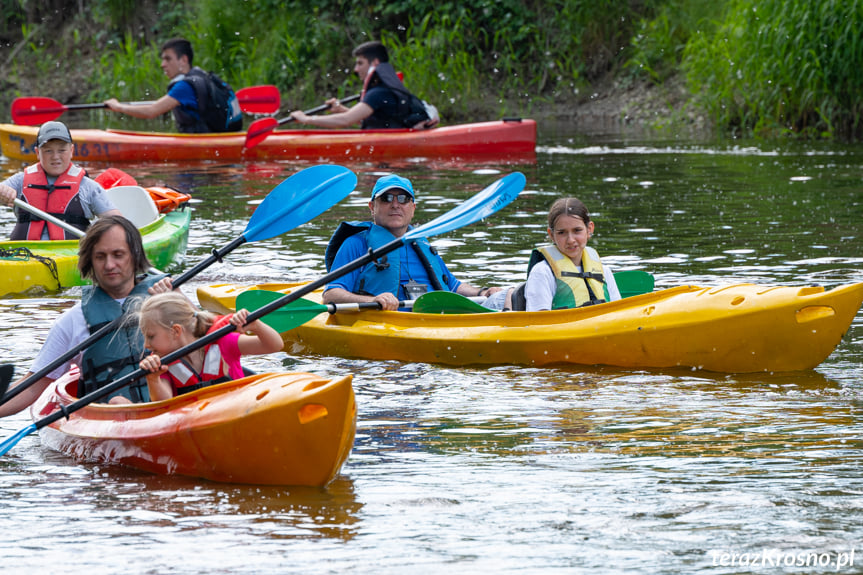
(24, 254)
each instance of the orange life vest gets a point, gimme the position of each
(59, 199)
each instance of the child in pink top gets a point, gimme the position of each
(169, 322)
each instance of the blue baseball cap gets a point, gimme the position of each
(392, 182)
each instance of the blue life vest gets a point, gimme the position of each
(118, 353)
(383, 275)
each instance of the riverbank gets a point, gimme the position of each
(609, 104)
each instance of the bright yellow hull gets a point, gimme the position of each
(30, 267)
(734, 329)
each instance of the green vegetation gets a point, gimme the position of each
(768, 66)
(775, 66)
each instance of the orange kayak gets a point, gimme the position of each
(267, 429)
(498, 139)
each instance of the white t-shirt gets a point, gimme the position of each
(541, 284)
(68, 331)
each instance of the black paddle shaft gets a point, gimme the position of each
(221, 332)
(319, 109)
(114, 324)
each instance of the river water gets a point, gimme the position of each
(505, 469)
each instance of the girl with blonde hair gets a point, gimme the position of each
(169, 321)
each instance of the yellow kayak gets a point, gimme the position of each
(48, 266)
(734, 329)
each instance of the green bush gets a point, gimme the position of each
(776, 67)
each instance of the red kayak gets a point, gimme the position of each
(502, 138)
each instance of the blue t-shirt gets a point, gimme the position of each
(355, 247)
(184, 93)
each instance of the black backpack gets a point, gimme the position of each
(217, 102)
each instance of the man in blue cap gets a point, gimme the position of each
(404, 274)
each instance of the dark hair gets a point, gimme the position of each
(570, 207)
(95, 233)
(372, 51)
(180, 47)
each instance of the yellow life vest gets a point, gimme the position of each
(575, 288)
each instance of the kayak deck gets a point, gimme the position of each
(274, 429)
(734, 329)
(47, 266)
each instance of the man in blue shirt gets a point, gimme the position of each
(402, 274)
(384, 102)
(181, 98)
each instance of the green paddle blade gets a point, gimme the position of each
(285, 318)
(447, 302)
(633, 282)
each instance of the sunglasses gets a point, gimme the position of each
(387, 198)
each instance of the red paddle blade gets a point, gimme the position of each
(36, 110)
(259, 130)
(259, 99)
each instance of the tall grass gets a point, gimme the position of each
(773, 66)
(782, 67)
(469, 59)
(657, 46)
(437, 64)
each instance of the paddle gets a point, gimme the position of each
(447, 302)
(6, 372)
(482, 205)
(299, 312)
(629, 283)
(295, 314)
(260, 129)
(295, 201)
(36, 110)
(58, 222)
(633, 282)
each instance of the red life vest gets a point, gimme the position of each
(217, 368)
(61, 200)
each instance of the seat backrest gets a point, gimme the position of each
(135, 203)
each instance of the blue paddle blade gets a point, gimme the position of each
(478, 207)
(299, 199)
(13, 440)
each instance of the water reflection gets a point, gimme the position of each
(507, 468)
